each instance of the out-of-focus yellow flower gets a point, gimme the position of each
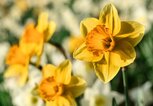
(58, 87)
(22, 5)
(32, 41)
(45, 27)
(75, 42)
(18, 64)
(109, 42)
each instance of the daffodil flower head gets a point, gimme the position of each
(18, 64)
(109, 42)
(45, 27)
(32, 41)
(58, 87)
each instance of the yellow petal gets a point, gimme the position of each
(105, 70)
(51, 103)
(38, 60)
(13, 70)
(62, 101)
(50, 30)
(88, 24)
(42, 22)
(83, 54)
(123, 54)
(45, 27)
(32, 41)
(131, 31)
(48, 70)
(109, 17)
(63, 72)
(16, 56)
(32, 48)
(76, 86)
(75, 42)
(19, 71)
(23, 77)
(70, 99)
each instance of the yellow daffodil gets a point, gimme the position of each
(109, 42)
(58, 87)
(45, 27)
(18, 64)
(33, 39)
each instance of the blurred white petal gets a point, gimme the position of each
(142, 94)
(100, 95)
(83, 70)
(4, 47)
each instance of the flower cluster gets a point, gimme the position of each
(31, 44)
(106, 44)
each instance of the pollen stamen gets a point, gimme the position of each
(99, 40)
(49, 89)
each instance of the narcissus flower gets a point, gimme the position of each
(100, 94)
(18, 64)
(109, 42)
(32, 41)
(45, 27)
(58, 87)
(33, 38)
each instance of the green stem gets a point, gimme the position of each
(114, 102)
(125, 87)
(61, 49)
(36, 65)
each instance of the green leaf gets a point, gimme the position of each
(5, 97)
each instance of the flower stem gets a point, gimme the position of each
(114, 102)
(125, 87)
(36, 65)
(61, 49)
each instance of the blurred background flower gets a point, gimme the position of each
(100, 95)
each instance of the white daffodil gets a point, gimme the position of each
(142, 96)
(100, 95)
(70, 18)
(24, 96)
(84, 70)
(54, 55)
(79, 5)
(4, 47)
